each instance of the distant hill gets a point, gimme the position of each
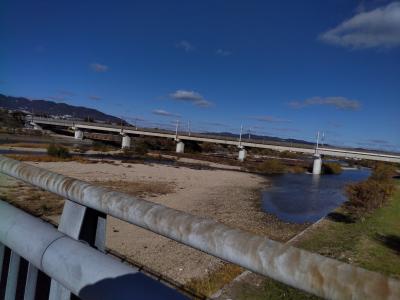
(262, 137)
(46, 107)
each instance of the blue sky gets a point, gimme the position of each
(282, 68)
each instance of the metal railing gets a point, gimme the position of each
(74, 266)
(310, 272)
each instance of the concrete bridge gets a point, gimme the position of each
(128, 131)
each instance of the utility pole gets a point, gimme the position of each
(249, 133)
(240, 136)
(317, 140)
(176, 129)
(189, 127)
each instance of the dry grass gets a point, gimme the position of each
(27, 145)
(215, 280)
(139, 188)
(48, 158)
(33, 200)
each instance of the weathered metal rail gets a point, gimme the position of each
(81, 269)
(311, 272)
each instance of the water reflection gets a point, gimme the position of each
(300, 198)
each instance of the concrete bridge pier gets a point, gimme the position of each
(242, 154)
(36, 126)
(317, 165)
(126, 141)
(180, 147)
(78, 134)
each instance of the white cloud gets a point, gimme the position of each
(270, 119)
(98, 67)
(222, 52)
(378, 28)
(185, 45)
(338, 102)
(93, 97)
(164, 113)
(190, 96)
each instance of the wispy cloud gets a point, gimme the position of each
(164, 113)
(338, 102)
(185, 45)
(270, 119)
(57, 98)
(190, 96)
(93, 97)
(378, 28)
(99, 68)
(223, 52)
(66, 93)
(378, 141)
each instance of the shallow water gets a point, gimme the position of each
(300, 198)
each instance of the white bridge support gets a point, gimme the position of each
(126, 141)
(36, 126)
(317, 165)
(180, 147)
(242, 154)
(78, 134)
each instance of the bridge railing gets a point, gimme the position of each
(34, 252)
(85, 212)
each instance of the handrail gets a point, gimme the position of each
(81, 269)
(308, 271)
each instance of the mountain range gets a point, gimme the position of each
(47, 107)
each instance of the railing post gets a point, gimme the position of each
(31, 282)
(2, 250)
(80, 223)
(12, 277)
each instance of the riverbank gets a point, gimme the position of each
(372, 243)
(228, 196)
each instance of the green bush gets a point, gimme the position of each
(141, 148)
(331, 168)
(366, 196)
(102, 147)
(271, 166)
(58, 151)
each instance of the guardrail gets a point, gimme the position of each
(74, 266)
(311, 272)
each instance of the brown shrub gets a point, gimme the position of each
(271, 166)
(331, 168)
(58, 151)
(366, 196)
(289, 154)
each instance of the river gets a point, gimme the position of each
(300, 198)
